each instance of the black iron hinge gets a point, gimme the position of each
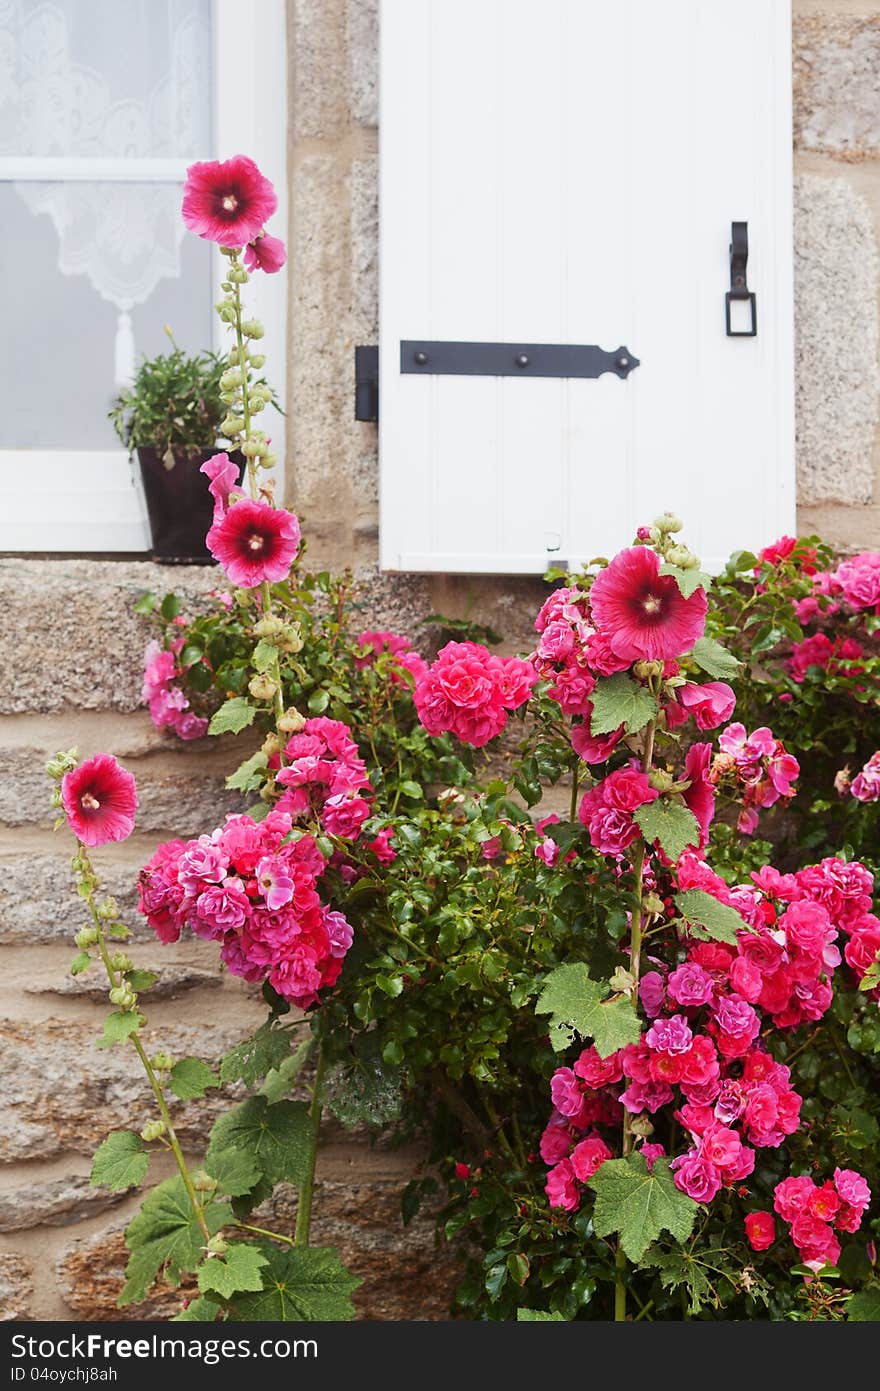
(433, 358)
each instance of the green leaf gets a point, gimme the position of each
(264, 656)
(708, 919)
(121, 1161)
(619, 700)
(715, 660)
(578, 1005)
(639, 1205)
(200, 1310)
(678, 1269)
(411, 789)
(864, 1306)
(281, 1078)
(80, 963)
(318, 702)
(364, 1089)
(869, 980)
(254, 1059)
(141, 980)
(146, 604)
(191, 1078)
(190, 655)
(538, 1316)
(687, 580)
(118, 1026)
(673, 826)
(166, 1236)
(277, 1136)
(248, 775)
(233, 716)
(238, 1269)
(170, 607)
(308, 1284)
(235, 1170)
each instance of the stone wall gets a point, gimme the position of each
(73, 649)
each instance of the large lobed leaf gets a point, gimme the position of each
(579, 1005)
(639, 1204)
(165, 1236)
(121, 1161)
(618, 700)
(303, 1284)
(671, 825)
(709, 919)
(277, 1137)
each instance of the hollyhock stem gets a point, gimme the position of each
(306, 1192)
(115, 980)
(245, 401)
(575, 778)
(635, 957)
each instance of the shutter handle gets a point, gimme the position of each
(739, 290)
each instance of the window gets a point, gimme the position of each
(103, 104)
(568, 173)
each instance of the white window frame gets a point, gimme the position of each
(104, 511)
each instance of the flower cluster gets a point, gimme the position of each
(253, 889)
(858, 581)
(837, 657)
(813, 1214)
(764, 771)
(325, 777)
(377, 643)
(607, 809)
(468, 692)
(168, 706)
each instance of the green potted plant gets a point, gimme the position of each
(171, 418)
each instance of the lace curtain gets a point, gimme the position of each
(99, 79)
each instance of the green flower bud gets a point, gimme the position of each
(262, 687)
(162, 1062)
(645, 669)
(108, 908)
(268, 461)
(291, 639)
(268, 626)
(231, 426)
(62, 763)
(152, 1130)
(123, 996)
(668, 522)
(231, 251)
(257, 361)
(640, 1125)
(217, 1246)
(232, 377)
(120, 962)
(238, 275)
(86, 937)
(202, 1182)
(250, 449)
(225, 284)
(256, 404)
(291, 722)
(252, 328)
(271, 745)
(653, 904)
(660, 779)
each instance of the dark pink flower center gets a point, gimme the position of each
(228, 204)
(256, 542)
(89, 802)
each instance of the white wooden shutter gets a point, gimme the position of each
(568, 172)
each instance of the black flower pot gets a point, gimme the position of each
(179, 505)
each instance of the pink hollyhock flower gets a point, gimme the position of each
(691, 986)
(265, 253)
(223, 475)
(227, 201)
(760, 1230)
(710, 704)
(561, 1186)
(275, 883)
(643, 614)
(99, 799)
(852, 1188)
(696, 1176)
(588, 1156)
(254, 542)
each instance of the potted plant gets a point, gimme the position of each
(171, 417)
